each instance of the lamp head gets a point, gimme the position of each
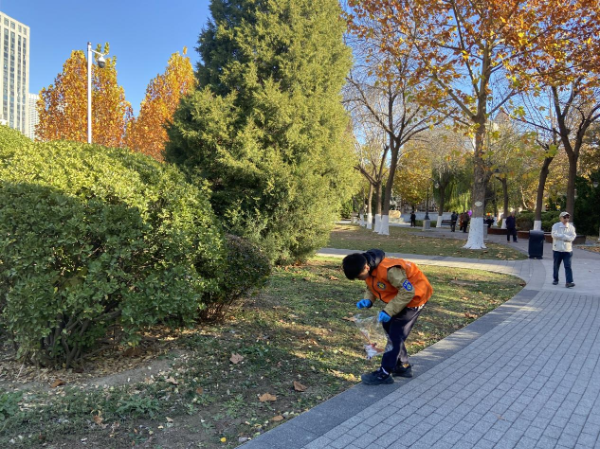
(101, 61)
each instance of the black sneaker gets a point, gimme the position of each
(377, 378)
(554, 282)
(570, 284)
(402, 370)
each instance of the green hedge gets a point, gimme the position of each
(93, 238)
(525, 220)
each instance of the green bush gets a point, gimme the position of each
(548, 219)
(524, 221)
(246, 268)
(93, 237)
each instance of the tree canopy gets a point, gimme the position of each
(266, 126)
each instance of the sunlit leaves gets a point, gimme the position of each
(147, 132)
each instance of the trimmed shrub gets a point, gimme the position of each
(247, 268)
(524, 221)
(91, 237)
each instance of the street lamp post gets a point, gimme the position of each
(101, 64)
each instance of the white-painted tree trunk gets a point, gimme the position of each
(361, 222)
(369, 221)
(385, 225)
(475, 239)
(537, 225)
(503, 224)
(439, 222)
(377, 223)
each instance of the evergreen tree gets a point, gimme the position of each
(266, 126)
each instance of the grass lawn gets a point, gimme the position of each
(411, 241)
(278, 354)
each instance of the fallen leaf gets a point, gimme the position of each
(170, 419)
(236, 358)
(97, 419)
(57, 383)
(267, 398)
(277, 418)
(199, 390)
(223, 440)
(350, 318)
(170, 380)
(333, 278)
(298, 386)
(471, 315)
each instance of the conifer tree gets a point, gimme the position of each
(266, 126)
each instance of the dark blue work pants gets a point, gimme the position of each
(398, 329)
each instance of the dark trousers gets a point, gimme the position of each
(463, 228)
(398, 329)
(566, 258)
(513, 232)
(452, 226)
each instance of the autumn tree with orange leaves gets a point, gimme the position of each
(147, 133)
(62, 106)
(476, 56)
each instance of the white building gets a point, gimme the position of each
(33, 117)
(14, 78)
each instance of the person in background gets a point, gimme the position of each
(511, 227)
(563, 234)
(453, 219)
(405, 290)
(413, 219)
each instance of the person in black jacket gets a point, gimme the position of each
(511, 227)
(453, 220)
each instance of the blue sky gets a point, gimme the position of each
(142, 35)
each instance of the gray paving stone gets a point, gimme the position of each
(343, 441)
(365, 440)
(587, 440)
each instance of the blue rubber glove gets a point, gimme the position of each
(364, 304)
(383, 317)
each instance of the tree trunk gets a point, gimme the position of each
(504, 183)
(442, 192)
(475, 239)
(537, 223)
(370, 208)
(571, 183)
(377, 206)
(385, 219)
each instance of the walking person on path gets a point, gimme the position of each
(464, 221)
(511, 227)
(563, 234)
(404, 289)
(453, 219)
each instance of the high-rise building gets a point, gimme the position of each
(14, 78)
(33, 117)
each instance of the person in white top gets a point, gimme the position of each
(563, 234)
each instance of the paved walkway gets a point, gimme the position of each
(526, 375)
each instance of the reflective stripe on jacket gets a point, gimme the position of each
(378, 283)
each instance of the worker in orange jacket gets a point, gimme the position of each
(405, 290)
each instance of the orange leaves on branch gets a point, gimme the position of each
(147, 133)
(62, 106)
